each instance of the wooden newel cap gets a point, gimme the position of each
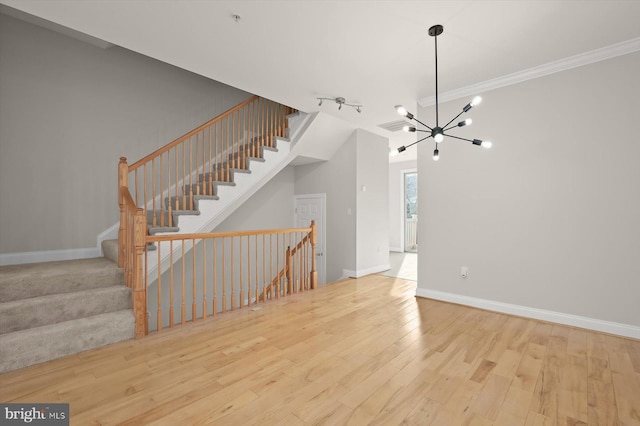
(123, 159)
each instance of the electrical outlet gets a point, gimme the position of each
(464, 272)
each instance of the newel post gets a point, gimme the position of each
(314, 240)
(138, 290)
(289, 276)
(123, 181)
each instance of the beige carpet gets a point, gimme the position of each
(403, 265)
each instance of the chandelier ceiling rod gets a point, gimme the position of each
(438, 133)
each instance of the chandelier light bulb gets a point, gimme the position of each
(466, 122)
(408, 129)
(439, 137)
(476, 101)
(436, 155)
(393, 153)
(486, 144)
(401, 110)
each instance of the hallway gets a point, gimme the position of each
(403, 265)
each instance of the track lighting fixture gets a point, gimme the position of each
(341, 101)
(438, 133)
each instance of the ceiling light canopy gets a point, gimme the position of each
(438, 133)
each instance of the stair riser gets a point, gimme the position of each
(58, 277)
(24, 348)
(40, 311)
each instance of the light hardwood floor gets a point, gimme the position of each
(356, 352)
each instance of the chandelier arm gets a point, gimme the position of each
(420, 140)
(449, 128)
(462, 139)
(414, 118)
(453, 119)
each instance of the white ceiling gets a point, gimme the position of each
(374, 53)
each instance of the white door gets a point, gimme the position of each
(312, 207)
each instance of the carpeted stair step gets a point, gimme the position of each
(35, 345)
(181, 204)
(196, 187)
(41, 279)
(38, 311)
(160, 218)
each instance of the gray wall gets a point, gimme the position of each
(357, 225)
(69, 110)
(549, 217)
(396, 203)
(372, 189)
(336, 178)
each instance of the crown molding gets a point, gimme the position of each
(575, 61)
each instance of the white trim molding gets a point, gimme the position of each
(48, 256)
(608, 52)
(349, 273)
(619, 329)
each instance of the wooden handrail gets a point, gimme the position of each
(186, 136)
(204, 235)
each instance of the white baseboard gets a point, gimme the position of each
(619, 329)
(396, 249)
(349, 273)
(48, 256)
(55, 255)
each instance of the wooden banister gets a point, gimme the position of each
(165, 182)
(193, 132)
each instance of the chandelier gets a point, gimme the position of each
(438, 133)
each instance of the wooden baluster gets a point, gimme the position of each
(170, 216)
(270, 258)
(288, 270)
(176, 167)
(194, 307)
(278, 264)
(204, 278)
(248, 270)
(228, 164)
(123, 182)
(191, 173)
(264, 269)
(240, 269)
(159, 288)
(211, 159)
(139, 289)
(184, 177)
(256, 259)
(215, 277)
(183, 307)
(160, 190)
(233, 281)
(171, 282)
(215, 156)
(153, 192)
(224, 282)
(144, 187)
(314, 239)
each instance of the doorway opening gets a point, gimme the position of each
(410, 212)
